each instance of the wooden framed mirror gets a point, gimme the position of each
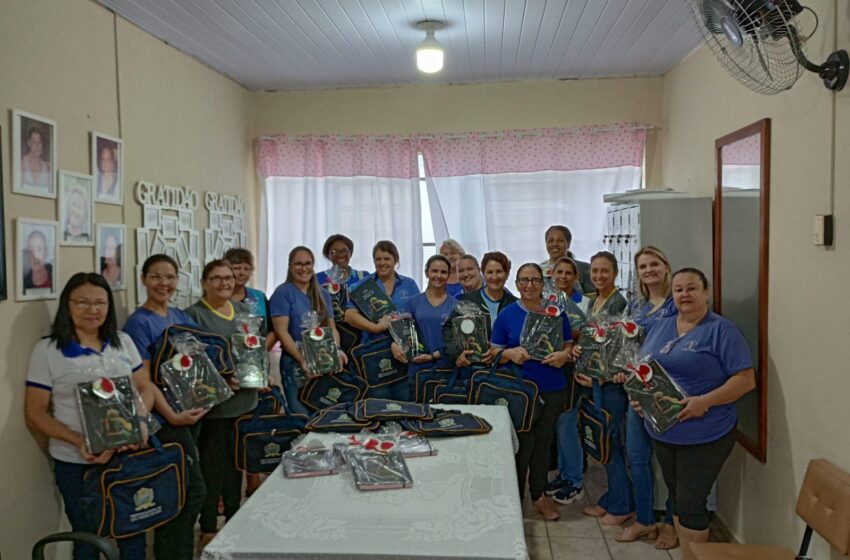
(741, 226)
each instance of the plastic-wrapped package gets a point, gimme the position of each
(379, 467)
(318, 345)
(249, 349)
(594, 339)
(624, 348)
(410, 444)
(566, 304)
(406, 334)
(542, 333)
(108, 413)
(191, 376)
(371, 300)
(658, 394)
(471, 330)
(337, 287)
(309, 459)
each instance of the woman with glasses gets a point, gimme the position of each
(216, 313)
(339, 249)
(399, 289)
(84, 338)
(242, 263)
(290, 305)
(535, 446)
(145, 326)
(710, 360)
(616, 506)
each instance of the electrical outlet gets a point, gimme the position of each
(823, 230)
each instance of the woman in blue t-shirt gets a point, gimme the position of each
(616, 506)
(654, 303)
(289, 305)
(710, 360)
(145, 326)
(339, 249)
(399, 289)
(430, 310)
(535, 446)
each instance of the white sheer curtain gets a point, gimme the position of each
(501, 191)
(510, 212)
(306, 210)
(364, 187)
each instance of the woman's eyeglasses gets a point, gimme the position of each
(220, 279)
(83, 304)
(163, 278)
(526, 281)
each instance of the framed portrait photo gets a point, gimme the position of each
(36, 250)
(109, 254)
(76, 208)
(33, 155)
(107, 168)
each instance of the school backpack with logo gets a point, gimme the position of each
(323, 391)
(261, 439)
(375, 363)
(506, 386)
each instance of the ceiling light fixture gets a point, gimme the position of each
(429, 53)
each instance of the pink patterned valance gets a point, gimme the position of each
(746, 151)
(337, 156)
(546, 149)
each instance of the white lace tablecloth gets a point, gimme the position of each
(464, 504)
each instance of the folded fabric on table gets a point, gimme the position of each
(386, 409)
(448, 423)
(338, 419)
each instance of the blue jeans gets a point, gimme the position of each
(570, 453)
(69, 479)
(290, 389)
(618, 500)
(639, 452)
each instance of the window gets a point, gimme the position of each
(429, 247)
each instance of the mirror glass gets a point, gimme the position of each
(741, 277)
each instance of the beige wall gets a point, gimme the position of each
(463, 108)
(808, 381)
(182, 124)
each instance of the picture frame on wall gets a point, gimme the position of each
(36, 248)
(107, 167)
(76, 208)
(4, 292)
(34, 157)
(110, 254)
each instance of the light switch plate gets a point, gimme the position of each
(823, 230)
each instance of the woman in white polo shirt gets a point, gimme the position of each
(84, 342)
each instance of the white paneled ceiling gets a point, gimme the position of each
(294, 44)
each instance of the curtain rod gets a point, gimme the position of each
(574, 131)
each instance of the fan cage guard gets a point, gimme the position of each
(766, 34)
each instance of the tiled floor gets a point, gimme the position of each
(576, 535)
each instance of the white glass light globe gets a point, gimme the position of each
(429, 56)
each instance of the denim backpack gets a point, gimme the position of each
(375, 363)
(261, 439)
(137, 491)
(594, 424)
(218, 349)
(323, 391)
(505, 385)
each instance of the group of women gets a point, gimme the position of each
(703, 352)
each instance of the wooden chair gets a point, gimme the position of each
(824, 504)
